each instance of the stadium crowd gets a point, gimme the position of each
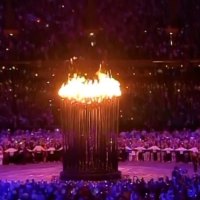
(152, 99)
(165, 146)
(180, 187)
(163, 102)
(141, 39)
(23, 147)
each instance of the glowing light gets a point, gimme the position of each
(92, 44)
(83, 90)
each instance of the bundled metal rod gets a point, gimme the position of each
(89, 135)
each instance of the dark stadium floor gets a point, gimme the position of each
(48, 171)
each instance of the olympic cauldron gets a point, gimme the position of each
(90, 118)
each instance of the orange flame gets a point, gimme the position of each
(83, 90)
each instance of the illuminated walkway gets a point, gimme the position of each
(48, 171)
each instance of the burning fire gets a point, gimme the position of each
(83, 90)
